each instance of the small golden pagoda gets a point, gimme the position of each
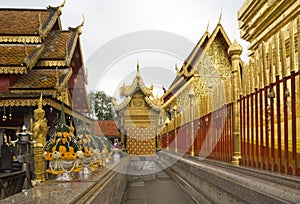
(138, 115)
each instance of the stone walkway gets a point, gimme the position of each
(153, 188)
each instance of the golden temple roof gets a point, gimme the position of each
(188, 68)
(40, 79)
(136, 85)
(57, 44)
(28, 25)
(42, 56)
(21, 55)
(23, 21)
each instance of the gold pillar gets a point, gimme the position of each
(235, 50)
(175, 126)
(167, 125)
(192, 96)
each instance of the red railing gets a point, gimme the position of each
(268, 130)
(269, 127)
(212, 136)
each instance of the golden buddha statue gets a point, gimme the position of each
(39, 129)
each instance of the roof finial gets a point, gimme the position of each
(63, 4)
(137, 66)
(59, 7)
(220, 18)
(40, 104)
(82, 23)
(176, 68)
(207, 26)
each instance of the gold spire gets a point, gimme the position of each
(60, 7)
(137, 65)
(138, 75)
(63, 4)
(207, 27)
(176, 68)
(220, 17)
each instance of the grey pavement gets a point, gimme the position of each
(154, 188)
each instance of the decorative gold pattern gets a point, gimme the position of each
(51, 63)
(21, 39)
(13, 70)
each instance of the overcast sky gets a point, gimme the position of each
(110, 23)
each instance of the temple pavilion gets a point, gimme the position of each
(138, 115)
(38, 57)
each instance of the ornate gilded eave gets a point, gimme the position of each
(166, 104)
(34, 102)
(122, 105)
(32, 61)
(151, 104)
(61, 62)
(13, 70)
(137, 84)
(219, 28)
(72, 49)
(184, 71)
(65, 80)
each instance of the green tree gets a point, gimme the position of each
(101, 105)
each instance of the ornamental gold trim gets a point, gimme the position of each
(13, 70)
(63, 84)
(23, 102)
(21, 39)
(47, 101)
(44, 92)
(51, 63)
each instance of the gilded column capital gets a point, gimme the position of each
(235, 49)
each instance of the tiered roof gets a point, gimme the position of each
(189, 67)
(36, 55)
(129, 91)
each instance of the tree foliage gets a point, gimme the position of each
(101, 105)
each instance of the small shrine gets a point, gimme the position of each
(138, 117)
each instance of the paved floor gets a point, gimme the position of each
(160, 190)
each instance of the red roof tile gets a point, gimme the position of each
(110, 128)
